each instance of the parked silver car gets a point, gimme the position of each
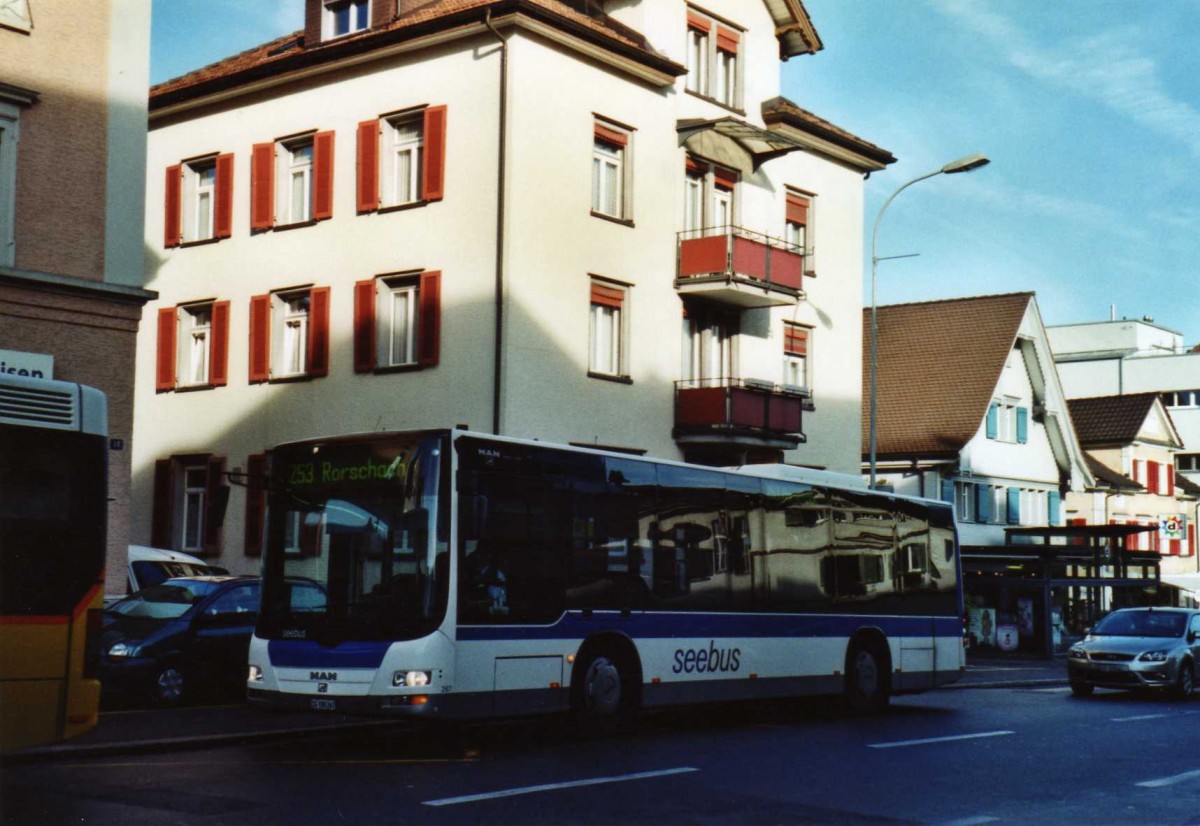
(1138, 648)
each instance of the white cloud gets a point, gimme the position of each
(1104, 68)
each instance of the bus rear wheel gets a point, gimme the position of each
(866, 690)
(603, 693)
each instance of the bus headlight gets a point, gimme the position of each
(255, 675)
(121, 650)
(403, 679)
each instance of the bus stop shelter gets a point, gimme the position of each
(1046, 585)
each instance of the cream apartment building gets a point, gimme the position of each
(73, 76)
(595, 224)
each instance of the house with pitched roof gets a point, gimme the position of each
(970, 410)
(595, 223)
(1134, 438)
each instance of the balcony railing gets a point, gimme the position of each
(740, 408)
(739, 266)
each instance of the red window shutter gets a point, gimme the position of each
(1176, 547)
(218, 353)
(1170, 480)
(256, 502)
(223, 212)
(160, 517)
(1152, 477)
(795, 340)
(694, 167)
(165, 372)
(364, 326)
(322, 203)
(318, 332)
(433, 181)
(429, 330)
(724, 178)
(368, 165)
(607, 296)
(215, 489)
(172, 207)
(1137, 471)
(727, 40)
(1192, 540)
(611, 136)
(797, 209)
(698, 23)
(260, 338)
(262, 186)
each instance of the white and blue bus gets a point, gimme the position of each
(466, 575)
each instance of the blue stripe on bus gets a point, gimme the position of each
(307, 654)
(574, 625)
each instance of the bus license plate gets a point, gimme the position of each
(323, 704)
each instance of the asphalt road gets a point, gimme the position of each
(1004, 756)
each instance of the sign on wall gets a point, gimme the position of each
(33, 365)
(1171, 526)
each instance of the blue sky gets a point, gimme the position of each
(1089, 110)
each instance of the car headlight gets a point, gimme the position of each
(1154, 657)
(121, 650)
(1077, 654)
(414, 679)
(255, 675)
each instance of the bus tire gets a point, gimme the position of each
(866, 689)
(604, 690)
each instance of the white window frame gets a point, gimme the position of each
(799, 367)
(1006, 420)
(698, 51)
(712, 73)
(964, 501)
(606, 188)
(292, 166)
(195, 344)
(396, 324)
(199, 199)
(608, 334)
(192, 501)
(722, 206)
(709, 349)
(726, 78)
(331, 10)
(291, 321)
(400, 148)
(693, 202)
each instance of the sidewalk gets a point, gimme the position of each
(142, 731)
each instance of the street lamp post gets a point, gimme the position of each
(965, 164)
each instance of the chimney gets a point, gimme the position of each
(383, 12)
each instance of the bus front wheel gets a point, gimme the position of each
(603, 692)
(866, 689)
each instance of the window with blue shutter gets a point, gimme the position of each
(1014, 506)
(1022, 425)
(983, 503)
(1055, 500)
(947, 490)
(993, 420)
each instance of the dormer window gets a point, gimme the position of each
(344, 17)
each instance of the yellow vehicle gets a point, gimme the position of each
(53, 536)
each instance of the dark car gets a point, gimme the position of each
(186, 637)
(1136, 648)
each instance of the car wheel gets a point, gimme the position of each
(866, 689)
(170, 686)
(1082, 689)
(1185, 681)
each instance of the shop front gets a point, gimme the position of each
(1040, 591)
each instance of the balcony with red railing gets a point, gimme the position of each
(739, 411)
(738, 266)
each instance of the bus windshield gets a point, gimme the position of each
(365, 520)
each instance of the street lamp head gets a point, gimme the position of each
(966, 164)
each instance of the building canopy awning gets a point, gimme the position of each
(733, 143)
(1184, 582)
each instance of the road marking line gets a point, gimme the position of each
(1169, 781)
(549, 787)
(928, 740)
(1139, 717)
(972, 821)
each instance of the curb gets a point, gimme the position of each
(1040, 683)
